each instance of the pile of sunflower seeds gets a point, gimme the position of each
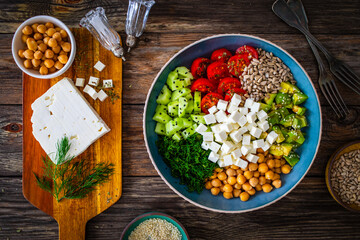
(345, 177)
(264, 75)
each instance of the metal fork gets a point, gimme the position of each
(340, 69)
(326, 81)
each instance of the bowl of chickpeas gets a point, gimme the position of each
(43, 47)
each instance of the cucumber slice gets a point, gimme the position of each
(177, 136)
(180, 93)
(164, 96)
(197, 101)
(187, 81)
(198, 118)
(160, 129)
(183, 103)
(175, 84)
(161, 117)
(188, 132)
(189, 96)
(190, 106)
(173, 126)
(173, 108)
(184, 72)
(187, 122)
(161, 108)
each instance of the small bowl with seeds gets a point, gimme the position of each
(343, 176)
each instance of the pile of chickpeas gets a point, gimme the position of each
(47, 47)
(243, 183)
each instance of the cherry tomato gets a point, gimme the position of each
(237, 63)
(216, 71)
(221, 55)
(228, 83)
(202, 85)
(198, 67)
(230, 93)
(249, 50)
(210, 100)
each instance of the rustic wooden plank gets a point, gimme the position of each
(155, 49)
(137, 162)
(173, 16)
(308, 212)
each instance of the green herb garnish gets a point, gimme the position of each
(71, 180)
(187, 160)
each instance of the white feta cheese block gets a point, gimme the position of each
(255, 107)
(243, 130)
(94, 81)
(221, 116)
(271, 137)
(252, 158)
(216, 128)
(80, 82)
(92, 92)
(264, 126)
(221, 163)
(213, 157)
(208, 136)
(242, 121)
(222, 105)
(99, 66)
(227, 147)
(245, 150)
(232, 108)
(209, 119)
(256, 132)
(214, 147)
(253, 150)
(235, 100)
(235, 126)
(55, 115)
(236, 153)
(201, 128)
(249, 126)
(228, 160)
(246, 139)
(243, 110)
(241, 163)
(262, 115)
(248, 103)
(236, 136)
(266, 146)
(108, 83)
(220, 136)
(213, 109)
(205, 145)
(258, 143)
(251, 117)
(234, 117)
(102, 95)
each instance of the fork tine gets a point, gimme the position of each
(347, 69)
(330, 100)
(338, 98)
(351, 77)
(343, 78)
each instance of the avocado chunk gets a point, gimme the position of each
(287, 87)
(288, 120)
(269, 98)
(293, 158)
(281, 137)
(286, 148)
(274, 118)
(299, 110)
(265, 107)
(299, 97)
(295, 136)
(302, 120)
(276, 150)
(283, 99)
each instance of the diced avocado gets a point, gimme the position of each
(283, 111)
(295, 136)
(187, 122)
(188, 132)
(283, 98)
(302, 120)
(286, 148)
(293, 158)
(269, 98)
(284, 131)
(288, 120)
(281, 137)
(173, 126)
(161, 117)
(197, 101)
(164, 96)
(198, 118)
(161, 108)
(190, 106)
(177, 136)
(265, 107)
(287, 87)
(296, 123)
(173, 108)
(183, 103)
(299, 110)
(160, 129)
(299, 97)
(183, 72)
(180, 93)
(263, 135)
(290, 106)
(276, 150)
(274, 118)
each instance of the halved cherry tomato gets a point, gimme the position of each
(198, 67)
(216, 71)
(210, 100)
(230, 93)
(221, 55)
(202, 85)
(237, 63)
(249, 50)
(228, 83)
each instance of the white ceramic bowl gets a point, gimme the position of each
(17, 44)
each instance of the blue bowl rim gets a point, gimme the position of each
(147, 101)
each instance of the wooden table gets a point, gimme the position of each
(308, 212)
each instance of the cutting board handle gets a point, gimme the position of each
(69, 230)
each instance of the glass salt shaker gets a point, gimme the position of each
(97, 23)
(137, 14)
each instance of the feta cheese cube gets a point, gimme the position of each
(258, 143)
(220, 136)
(213, 157)
(89, 90)
(227, 147)
(208, 136)
(108, 83)
(252, 158)
(243, 110)
(249, 126)
(222, 105)
(271, 137)
(235, 100)
(209, 119)
(251, 117)
(234, 117)
(99, 66)
(214, 147)
(236, 153)
(241, 163)
(245, 150)
(80, 82)
(221, 163)
(246, 139)
(213, 109)
(102, 95)
(201, 128)
(253, 150)
(216, 128)
(263, 125)
(242, 121)
(262, 115)
(236, 136)
(235, 126)
(221, 116)
(243, 130)
(205, 145)
(255, 107)
(93, 81)
(228, 160)
(227, 127)
(248, 103)
(232, 108)
(266, 146)
(256, 132)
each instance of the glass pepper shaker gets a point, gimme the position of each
(96, 22)
(137, 14)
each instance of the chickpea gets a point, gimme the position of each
(46, 40)
(216, 182)
(35, 62)
(237, 186)
(215, 191)
(241, 179)
(239, 171)
(254, 181)
(231, 180)
(62, 52)
(24, 38)
(277, 170)
(38, 36)
(231, 172)
(41, 28)
(27, 63)
(57, 36)
(34, 27)
(42, 63)
(277, 183)
(63, 33)
(42, 47)
(50, 31)
(38, 54)
(246, 186)
(55, 58)
(261, 158)
(49, 53)
(218, 170)
(277, 157)
(282, 162)
(221, 176)
(277, 163)
(263, 168)
(27, 30)
(213, 176)
(259, 150)
(43, 70)
(57, 29)
(49, 25)
(258, 187)
(228, 188)
(269, 175)
(208, 184)
(63, 59)
(285, 169)
(234, 167)
(248, 174)
(267, 188)
(39, 42)
(31, 44)
(266, 153)
(49, 63)
(221, 188)
(253, 167)
(52, 42)
(236, 192)
(257, 174)
(28, 54)
(43, 58)
(21, 53)
(228, 195)
(224, 182)
(262, 180)
(58, 65)
(270, 156)
(268, 181)
(245, 169)
(252, 191)
(276, 176)
(244, 196)
(270, 163)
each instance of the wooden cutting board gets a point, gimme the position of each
(72, 215)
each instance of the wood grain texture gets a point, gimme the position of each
(72, 215)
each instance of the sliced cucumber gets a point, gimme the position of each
(187, 81)
(197, 101)
(190, 106)
(173, 126)
(175, 84)
(173, 108)
(183, 103)
(177, 136)
(164, 96)
(188, 132)
(160, 129)
(184, 72)
(161, 108)
(189, 96)
(198, 118)
(161, 117)
(187, 122)
(180, 93)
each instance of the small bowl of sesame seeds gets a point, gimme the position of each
(343, 176)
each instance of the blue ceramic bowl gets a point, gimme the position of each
(308, 150)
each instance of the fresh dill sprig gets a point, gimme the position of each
(71, 180)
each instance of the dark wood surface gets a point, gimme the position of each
(308, 212)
